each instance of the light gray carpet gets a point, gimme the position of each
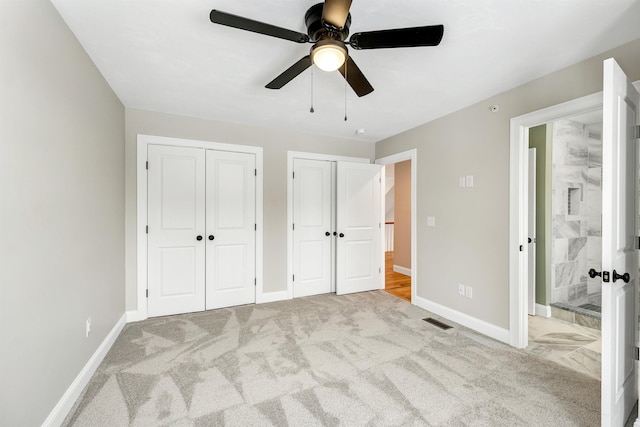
(361, 359)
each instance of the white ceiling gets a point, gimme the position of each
(166, 56)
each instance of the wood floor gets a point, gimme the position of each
(396, 284)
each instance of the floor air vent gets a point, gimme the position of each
(437, 323)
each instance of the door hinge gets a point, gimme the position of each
(637, 131)
(294, 227)
(636, 353)
(521, 248)
(379, 270)
(293, 175)
(637, 242)
(255, 282)
(147, 229)
(255, 227)
(147, 293)
(255, 172)
(147, 165)
(294, 277)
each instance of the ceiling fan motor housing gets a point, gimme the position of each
(317, 30)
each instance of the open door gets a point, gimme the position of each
(359, 226)
(531, 254)
(619, 254)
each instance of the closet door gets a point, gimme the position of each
(359, 224)
(231, 234)
(176, 201)
(312, 230)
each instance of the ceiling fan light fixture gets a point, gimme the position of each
(329, 55)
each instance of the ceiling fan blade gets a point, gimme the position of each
(223, 18)
(335, 12)
(290, 73)
(355, 78)
(400, 37)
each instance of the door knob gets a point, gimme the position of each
(593, 273)
(341, 234)
(199, 238)
(211, 237)
(625, 277)
(327, 234)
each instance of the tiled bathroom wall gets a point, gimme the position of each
(577, 212)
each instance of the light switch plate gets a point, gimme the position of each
(431, 221)
(469, 182)
(461, 182)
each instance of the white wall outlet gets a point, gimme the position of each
(461, 182)
(87, 327)
(468, 292)
(469, 181)
(461, 289)
(431, 221)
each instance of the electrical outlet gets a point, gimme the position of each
(468, 292)
(87, 327)
(461, 289)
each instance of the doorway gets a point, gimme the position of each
(400, 237)
(397, 209)
(565, 200)
(620, 102)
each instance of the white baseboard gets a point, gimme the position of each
(272, 297)
(463, 319)
(133, 316)
(68, 399)
(402, 270)
(543, 310)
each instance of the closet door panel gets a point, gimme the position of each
(312, 205)
(230, 219)
(176, 200)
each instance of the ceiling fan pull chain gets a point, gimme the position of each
(311, 110)
(345, 91)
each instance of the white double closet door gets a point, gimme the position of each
(201, 236)
(337, 228)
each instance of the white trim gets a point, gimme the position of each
(69, 398)
(463, 319)
(401, 157)
(132, 316)
(402, 270)
(143, 142)
(543, 310)
(291, 155)
(274, 297)
(518, 228)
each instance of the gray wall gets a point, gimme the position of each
(469, 244)
(275, 144)
(61, 210)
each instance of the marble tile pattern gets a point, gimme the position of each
(577, 163)
(572, 345)
(365, 359)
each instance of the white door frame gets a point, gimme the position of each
(141, 215)
(518, 205)
(401, 157)
(291, 155)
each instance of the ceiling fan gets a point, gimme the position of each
(327, 28)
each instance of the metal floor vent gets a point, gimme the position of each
(437, 323)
